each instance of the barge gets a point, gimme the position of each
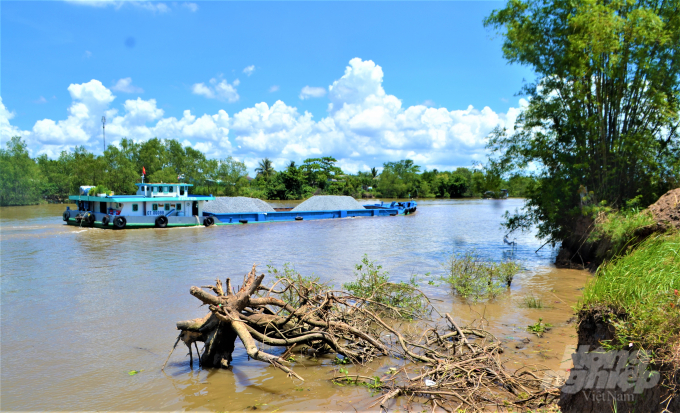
(163, 205)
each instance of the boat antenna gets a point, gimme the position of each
(104, 130)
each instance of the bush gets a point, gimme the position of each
(99, 189)
(472, 277)
(374, 284)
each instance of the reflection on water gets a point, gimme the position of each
(82, 307)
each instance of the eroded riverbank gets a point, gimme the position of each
(83, 307)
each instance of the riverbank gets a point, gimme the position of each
(632, 305)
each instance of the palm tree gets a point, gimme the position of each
(374, 172)
(265, 168)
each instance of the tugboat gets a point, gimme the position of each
(157, 205)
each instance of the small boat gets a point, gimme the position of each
(157, 205)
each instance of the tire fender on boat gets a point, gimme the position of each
(208, 221)
(89, 218)
(105, 220)
(66, 215)
(119, 222)
(162, 221)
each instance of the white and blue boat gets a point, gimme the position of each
(157, 205)
(163, 205)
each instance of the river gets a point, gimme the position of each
(82, 307)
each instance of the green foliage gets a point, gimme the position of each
(21, 182)
(642, 288)
(288, 275)
(539, 328)
(399, 179)
(474, 278)
(532, 302)
(99, 189)
(403, 298)
(616, 229)
(603, 110)
(265, 169)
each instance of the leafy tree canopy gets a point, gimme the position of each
(603, 110)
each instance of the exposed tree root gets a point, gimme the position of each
(449, 367)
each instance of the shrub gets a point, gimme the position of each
(374, 284)
(472, 277)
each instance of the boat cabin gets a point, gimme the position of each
(151, 199)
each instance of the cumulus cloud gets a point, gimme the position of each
(221, 90)
(312, 92)
(6, 129)
(125, 85)
(249, 70)
(364, 126)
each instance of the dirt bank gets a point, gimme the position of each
(596, 396)
(578, 252)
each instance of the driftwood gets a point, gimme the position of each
(447, 366)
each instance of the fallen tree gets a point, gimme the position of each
(448, 365)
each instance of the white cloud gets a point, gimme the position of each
(221, 90)
(6, 129)
(88, 54)
(364, 127)
(151, 5)
(193, 7)
(274, 88)
(312, 92)
(249, 70)
(125, 85)
(41, 99)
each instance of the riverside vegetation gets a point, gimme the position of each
(25, 180)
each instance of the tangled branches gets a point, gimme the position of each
(448, 365)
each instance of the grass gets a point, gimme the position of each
(643, 287)
(472, 277)
(617, 229)
(532, 302)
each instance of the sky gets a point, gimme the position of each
(364, 82)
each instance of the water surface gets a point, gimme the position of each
(81, 307)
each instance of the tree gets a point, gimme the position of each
(20, 178)
(231, 174)
(399, 179)
(319, 170)
(265, 169)
(603, 111)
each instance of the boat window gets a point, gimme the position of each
(171, 189)
(181, 190)
(155, 189)
(179, 207)
(155, 207)
(134, 207)
(167, 207)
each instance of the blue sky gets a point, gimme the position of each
(366, 82)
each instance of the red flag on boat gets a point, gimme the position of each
(143, 171)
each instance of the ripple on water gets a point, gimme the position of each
(82, 307)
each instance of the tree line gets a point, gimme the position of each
(25, 180)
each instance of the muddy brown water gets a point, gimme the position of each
(83, 307)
